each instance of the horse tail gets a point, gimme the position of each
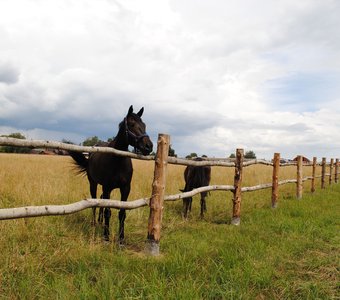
(80, 160)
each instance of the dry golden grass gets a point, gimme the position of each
(40, 180)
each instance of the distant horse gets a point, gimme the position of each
(195, 177)
(112, 171)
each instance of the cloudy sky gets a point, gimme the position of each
(216, 75)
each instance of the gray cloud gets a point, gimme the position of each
(8, 73)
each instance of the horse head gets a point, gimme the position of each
(136, 131)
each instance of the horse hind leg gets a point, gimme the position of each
(203, 204)
(93, 191)
(186, 207)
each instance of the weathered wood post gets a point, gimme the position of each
(336, 170)
(275, 182)
(237, 187)
(323, 172)
(312, 189)
(157, 197)
(299, 185)
(331, 165)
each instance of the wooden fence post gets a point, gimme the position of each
(299, 185)
(323, 172)
(157, 197)
(275, 182)
(331, 171)
(237, 187)
(312, 189)
(336, 170)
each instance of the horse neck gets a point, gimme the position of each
(120, 142)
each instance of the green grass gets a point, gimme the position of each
(291, 252)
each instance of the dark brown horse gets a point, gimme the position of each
(195, 177)
(112, 171)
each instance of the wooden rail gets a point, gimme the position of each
(155, 202)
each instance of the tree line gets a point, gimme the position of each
(95, 140)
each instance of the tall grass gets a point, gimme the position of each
(287, 253)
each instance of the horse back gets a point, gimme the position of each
(109, 169)
(197, 176)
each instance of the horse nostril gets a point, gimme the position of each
(148, 148)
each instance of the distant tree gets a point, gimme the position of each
(13, 149)
(172, 152)
(91, 141)
(65, 141)
(191, 155)
(232, 155)
(250, 154)
(16, 135)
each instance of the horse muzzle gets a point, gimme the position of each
(145, 145)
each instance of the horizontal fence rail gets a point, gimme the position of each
(55, 210)
(161, 160)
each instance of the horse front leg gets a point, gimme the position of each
(101, 212)
(124, 191)
(107, 216)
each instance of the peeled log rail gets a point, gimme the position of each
(66, 209)
(6, 141)
(55, 210)
(206, 162)
(199, 190)
(256, 187)
(257, 162)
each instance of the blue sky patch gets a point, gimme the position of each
(303, 92)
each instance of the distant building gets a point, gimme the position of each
(49, 151)
(304, 159)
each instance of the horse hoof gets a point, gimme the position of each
(121, 243)
(106, 238)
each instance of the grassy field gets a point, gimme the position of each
(291, 252)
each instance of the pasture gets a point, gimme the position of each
(291, 252)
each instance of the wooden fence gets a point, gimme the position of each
(155, 202)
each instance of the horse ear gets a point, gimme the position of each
(139, 114)
(130, 110)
